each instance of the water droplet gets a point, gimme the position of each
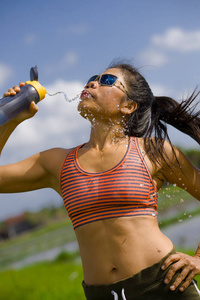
(190, 216)
(180, 220)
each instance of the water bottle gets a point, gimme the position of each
(11, 106)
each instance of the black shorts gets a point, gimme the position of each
(148, 284)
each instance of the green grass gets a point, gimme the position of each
(46, 281)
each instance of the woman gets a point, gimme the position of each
(109, 187)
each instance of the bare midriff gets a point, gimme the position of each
(118, 248)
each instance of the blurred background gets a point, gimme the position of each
(70, 41)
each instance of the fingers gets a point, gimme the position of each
(14, 90)
(183, 279)
(171, 259)
(187, 266)
(33, 108)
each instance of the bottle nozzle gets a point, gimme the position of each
(39, 88)
(34, 73)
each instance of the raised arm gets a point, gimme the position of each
(36, 172)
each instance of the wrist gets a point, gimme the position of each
(5, 132)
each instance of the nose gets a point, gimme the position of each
(92, 85)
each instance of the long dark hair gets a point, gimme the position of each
(153, 113)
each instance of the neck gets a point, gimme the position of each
(104, 135)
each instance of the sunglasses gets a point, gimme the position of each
(109, 80)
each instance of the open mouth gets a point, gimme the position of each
(85, 94)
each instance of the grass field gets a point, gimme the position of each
(46, 281)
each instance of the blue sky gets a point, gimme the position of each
(71, 40)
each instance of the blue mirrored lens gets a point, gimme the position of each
(108, 79)
(93, 78)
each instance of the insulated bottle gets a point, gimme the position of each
(11, 106)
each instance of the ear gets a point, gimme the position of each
(127, 107)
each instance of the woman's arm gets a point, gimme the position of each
(36, 172)
(181, 171)
(39, 171)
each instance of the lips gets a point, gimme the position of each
(85, 94)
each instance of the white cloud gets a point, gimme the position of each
(154, 57)
(159, 90)
(70, 58)
(177, 39)
(5, 73)
(78, 29)
(172, 41)
(30, 39)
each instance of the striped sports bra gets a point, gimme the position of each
(125, 190)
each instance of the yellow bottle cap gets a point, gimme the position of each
(39, 88)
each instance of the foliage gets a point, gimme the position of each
(193, 155)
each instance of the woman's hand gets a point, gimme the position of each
(25, 114)
(188, 265)
(13, 91)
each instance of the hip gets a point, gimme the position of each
(148, 283)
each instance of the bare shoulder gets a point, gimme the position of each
(169, 151)
(53, 159)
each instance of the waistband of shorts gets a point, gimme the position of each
(146, 277)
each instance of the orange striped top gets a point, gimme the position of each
(125, 190)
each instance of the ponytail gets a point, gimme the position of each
(182, 116)
(152, 115)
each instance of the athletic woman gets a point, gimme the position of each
(109, 186)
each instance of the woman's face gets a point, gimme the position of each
(101, 101)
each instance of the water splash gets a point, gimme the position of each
(65, 96)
